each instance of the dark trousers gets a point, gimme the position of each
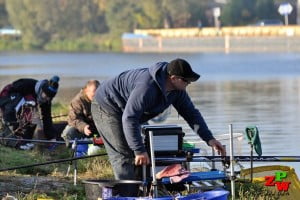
(70, 133)
(8, 108)
(121, 157)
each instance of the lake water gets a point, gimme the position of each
(239, 89)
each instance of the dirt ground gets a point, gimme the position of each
(13, 185)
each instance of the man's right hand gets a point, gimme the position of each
(142, 159)
(217, 147)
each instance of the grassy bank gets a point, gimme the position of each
(9, 44)
(48, 181)
(41, 181)
(47, 176)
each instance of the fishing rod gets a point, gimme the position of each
(58, 116)
(46, 141)
(227, 158)
(51, 162)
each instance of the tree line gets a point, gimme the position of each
(92, 23)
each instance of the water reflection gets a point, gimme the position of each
(272, 105)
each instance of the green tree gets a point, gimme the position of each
(197, 9)
(126, 15)
(3, 14)
(266, 9)
(238, 12)
(42, 21)
(120, 15)
(150, 15)
(176, 13)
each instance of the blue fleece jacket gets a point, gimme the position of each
(139, 95)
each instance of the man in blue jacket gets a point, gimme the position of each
(135, 96)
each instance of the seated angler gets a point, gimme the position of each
(80, 122)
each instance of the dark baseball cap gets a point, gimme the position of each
(182, 68)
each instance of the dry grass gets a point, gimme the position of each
(91, 168)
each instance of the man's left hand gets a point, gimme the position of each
(217, 147)
(87, 130)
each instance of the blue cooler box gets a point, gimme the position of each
(81, 150)
(141, 198)
(218, 194)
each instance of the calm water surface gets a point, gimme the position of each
(238, 89)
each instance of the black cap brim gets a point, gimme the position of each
(193, 78)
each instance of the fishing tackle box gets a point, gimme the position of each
(167, 139)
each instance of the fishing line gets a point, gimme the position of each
(51, 162)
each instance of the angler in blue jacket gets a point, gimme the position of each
(135, 96)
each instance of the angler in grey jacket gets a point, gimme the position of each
(134, 97)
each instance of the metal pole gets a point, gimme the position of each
(232, 177)
(75, 162)
(154, 181)
(75, 172)
(213, 164)
(251, 163)
(144, 180)
(74, 149)
(236, 158)
(68, 170)
(224, 164)
(286, 19)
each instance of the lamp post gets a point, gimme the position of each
(217, 14)
(285, 9)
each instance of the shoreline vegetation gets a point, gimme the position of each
(98, 25)
(235, 39)
(88, 43)
(50, 181)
